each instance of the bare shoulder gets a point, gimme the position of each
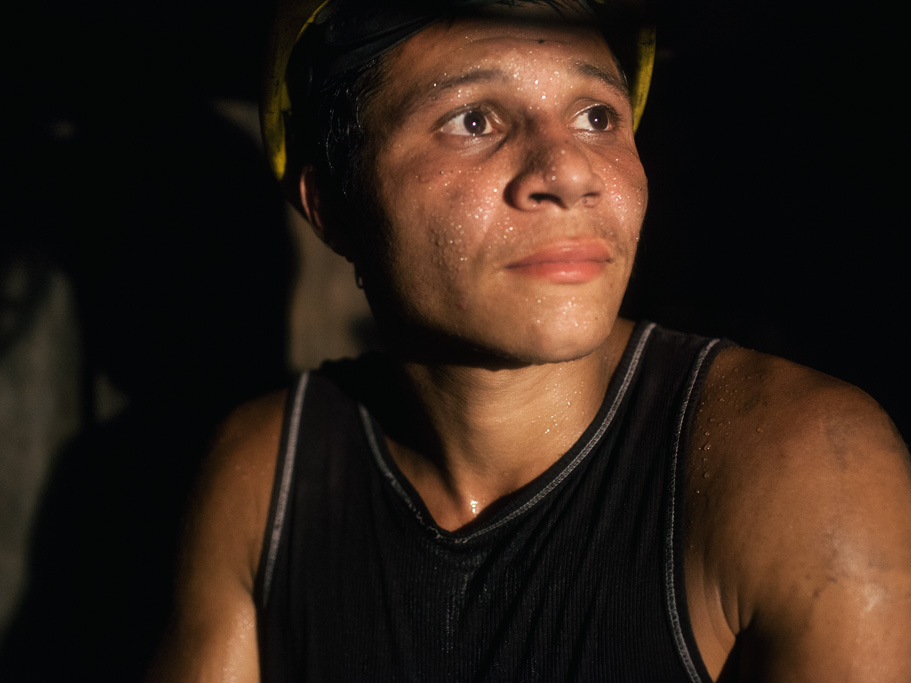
(762, 400)
(231, 502)
(213, 631)
(800, 506)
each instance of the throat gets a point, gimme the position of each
(461, 497)
(485, 436)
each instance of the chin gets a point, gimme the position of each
(563, 350)
(510, 335)
(542, 342)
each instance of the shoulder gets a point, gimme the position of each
(800, 501)
(230, 506)
(762, 400)
(212, 630)
(784, 420)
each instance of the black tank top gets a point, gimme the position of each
(579, 576)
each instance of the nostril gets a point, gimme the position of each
(539, 197)
(591, 199)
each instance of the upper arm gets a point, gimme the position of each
(813, 555)
(212, 636)
(835, 600)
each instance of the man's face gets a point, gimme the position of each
(510, 187)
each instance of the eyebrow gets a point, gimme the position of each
(417, 97)
(591, 71)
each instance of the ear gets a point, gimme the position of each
(317, 214)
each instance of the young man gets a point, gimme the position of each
(525, 486)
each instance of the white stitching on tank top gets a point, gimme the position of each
(281, 503)
(670, 591)
(387, 473)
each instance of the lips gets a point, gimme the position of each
(565, 262)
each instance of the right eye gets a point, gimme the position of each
(473, 122)
(597, 119)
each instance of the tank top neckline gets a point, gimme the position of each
(539, 488)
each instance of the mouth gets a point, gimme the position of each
(564, 262)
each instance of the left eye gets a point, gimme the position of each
(473, 122)
(598, 119)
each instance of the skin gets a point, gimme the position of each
(489, 148)
(799, 528)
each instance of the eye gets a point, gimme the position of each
(599, 118)
(473, 122)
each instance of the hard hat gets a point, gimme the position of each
(352, 38)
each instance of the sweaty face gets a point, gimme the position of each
(509, 186)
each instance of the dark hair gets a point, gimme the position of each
(329, 133)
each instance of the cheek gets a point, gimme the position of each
(427, 233)
(626, 191)
(625, 183)
(442, 209)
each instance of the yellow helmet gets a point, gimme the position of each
(293, 18)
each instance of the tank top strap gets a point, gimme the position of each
(281, 488)
(680, 352)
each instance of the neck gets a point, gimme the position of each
(490, 432)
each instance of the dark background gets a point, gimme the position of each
(775, 146)
(774, 140)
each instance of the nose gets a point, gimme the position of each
(554, 171)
